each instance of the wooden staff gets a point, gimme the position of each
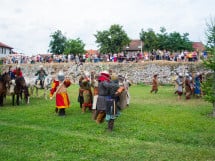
(114, 107)
(58, 88)
(54, 95)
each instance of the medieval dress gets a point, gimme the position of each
(62, 98)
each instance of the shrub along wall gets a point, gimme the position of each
(135, 72)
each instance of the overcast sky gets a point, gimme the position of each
(26, 25)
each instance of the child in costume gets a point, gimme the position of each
(154, 84)
(87, 95)
(59, 88)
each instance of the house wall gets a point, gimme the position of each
(4, 52)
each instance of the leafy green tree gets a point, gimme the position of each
(209, 84)
(112, 40)
(74, 46)
(57, 43)
(186, 43)
(103, 40)
(149, 38)
(162, 39)
(165, 41)
(175, 42)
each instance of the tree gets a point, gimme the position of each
(165, 41)
(186, 43)
(209, 84)
(57, 43)
(162, 39)
(74, 46)
(150, 39)
(174, 41)
(102, 38)
(112, 40)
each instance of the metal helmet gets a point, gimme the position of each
(60, 76)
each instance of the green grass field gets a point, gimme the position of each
(153, 127)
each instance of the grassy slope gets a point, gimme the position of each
(153, 127)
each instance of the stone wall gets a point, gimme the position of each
(136, 72)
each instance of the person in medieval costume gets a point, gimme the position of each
(17, 72)
(59, 88)
(127, 84)
(197, 85)
(180, 83)
(187, 86)
(103, 93)
(112, 108)
(41, 73)
(174, 78)
(191, 84)
(87, 95)
(94, 84)
(80, 91)
(11, 73)
(123, 98)
(154, 84)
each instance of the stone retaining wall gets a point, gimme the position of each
(136, 72)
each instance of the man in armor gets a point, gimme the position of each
(41, 76)
(103, 93)
(112, 108)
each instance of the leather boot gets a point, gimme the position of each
(100, 117)
(94, 114)
(83, 109)
(110, 125)
(62, 112)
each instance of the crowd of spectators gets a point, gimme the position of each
(120, 57)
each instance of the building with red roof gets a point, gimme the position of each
(198, 46)
(5, 50)
(133, 46)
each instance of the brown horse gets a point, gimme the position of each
(4, 83)
(20, 88)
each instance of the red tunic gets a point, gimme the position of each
(62, 99)
(17, 73)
